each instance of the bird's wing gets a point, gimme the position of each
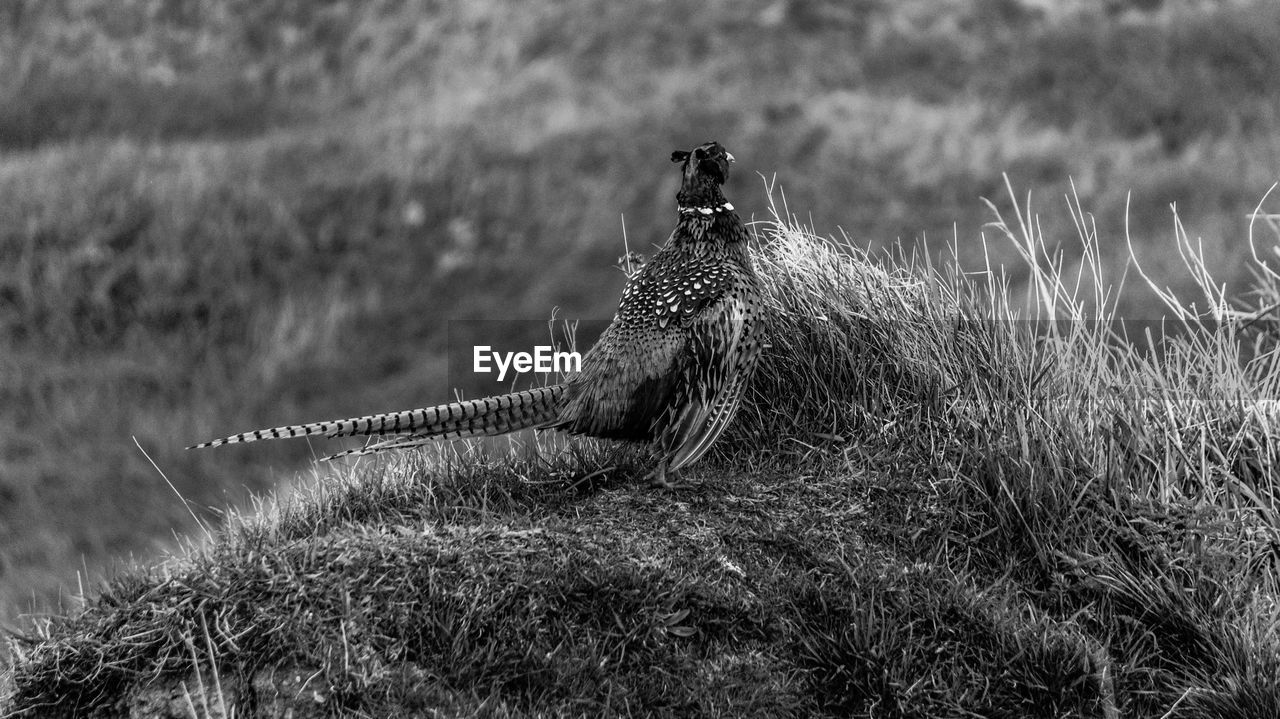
(730, 338)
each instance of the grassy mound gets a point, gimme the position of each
(928, 507)
(415, 590)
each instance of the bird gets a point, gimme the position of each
(670, 370)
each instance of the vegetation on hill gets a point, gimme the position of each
(927, 509)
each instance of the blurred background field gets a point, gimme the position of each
(218, 216)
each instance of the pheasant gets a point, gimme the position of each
(669, 370)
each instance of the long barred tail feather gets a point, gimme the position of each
(467, 418)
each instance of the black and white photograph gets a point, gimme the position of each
(525, 359)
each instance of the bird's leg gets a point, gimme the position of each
(659, 479)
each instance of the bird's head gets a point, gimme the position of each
(704, 170)
(709, 160)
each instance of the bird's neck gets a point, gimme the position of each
(699, 193)
(709, 228)
(708, 222)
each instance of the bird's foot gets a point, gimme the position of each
(660, 479)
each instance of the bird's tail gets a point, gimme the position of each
(468, 418)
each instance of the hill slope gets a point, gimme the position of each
(757, 594)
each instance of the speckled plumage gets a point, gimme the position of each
(669, 370)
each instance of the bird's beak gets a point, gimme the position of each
(729, 157)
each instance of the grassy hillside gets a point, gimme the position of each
(988, 522)
(220, 216)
